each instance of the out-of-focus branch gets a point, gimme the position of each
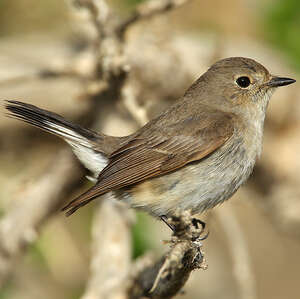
(99, 12)
(164, 278)
(276, 190)
(147, 10)
(19, 227)
(111, 255)
(80, 67)
(108, 48)
(239, 249)
(40, 75)
(138, 113)
(111, 251)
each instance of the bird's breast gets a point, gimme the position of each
(197, 186)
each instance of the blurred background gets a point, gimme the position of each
(254, 240)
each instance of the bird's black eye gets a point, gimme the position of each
(243, 81)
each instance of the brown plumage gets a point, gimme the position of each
(194, 155)
(156, 150)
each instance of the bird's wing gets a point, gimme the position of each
(155, 151)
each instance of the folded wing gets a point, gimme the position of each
(157, 150)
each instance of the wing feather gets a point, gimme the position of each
(156, 152)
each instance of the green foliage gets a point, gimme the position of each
(6, 290)
(35, 254)
(76, 292)
(282, 27)
(141, 236)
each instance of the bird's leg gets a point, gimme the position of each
(195, 222)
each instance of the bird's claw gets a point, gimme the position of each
(196, 222)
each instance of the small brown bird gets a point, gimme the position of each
(193, 156)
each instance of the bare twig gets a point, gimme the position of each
(147, 10)
(166, 277)
(81, 67)
(138, 113)
(40, 75)
(242, 268)
(111, 256)
(99, 12)
(19, 227)
(108, 48)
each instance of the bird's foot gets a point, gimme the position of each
(196, 222)
(175, 224)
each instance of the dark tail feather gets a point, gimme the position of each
(81, 200)
(82, 141)
(50, 122)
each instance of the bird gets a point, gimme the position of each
(193, 156)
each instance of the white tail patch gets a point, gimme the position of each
(93, 160)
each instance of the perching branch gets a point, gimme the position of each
(164, 278)
(19, 227)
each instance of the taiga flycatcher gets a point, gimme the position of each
(193, 156)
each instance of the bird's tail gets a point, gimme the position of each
(50, 122)
(81, 140)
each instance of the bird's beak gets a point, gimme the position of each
(280, 81)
